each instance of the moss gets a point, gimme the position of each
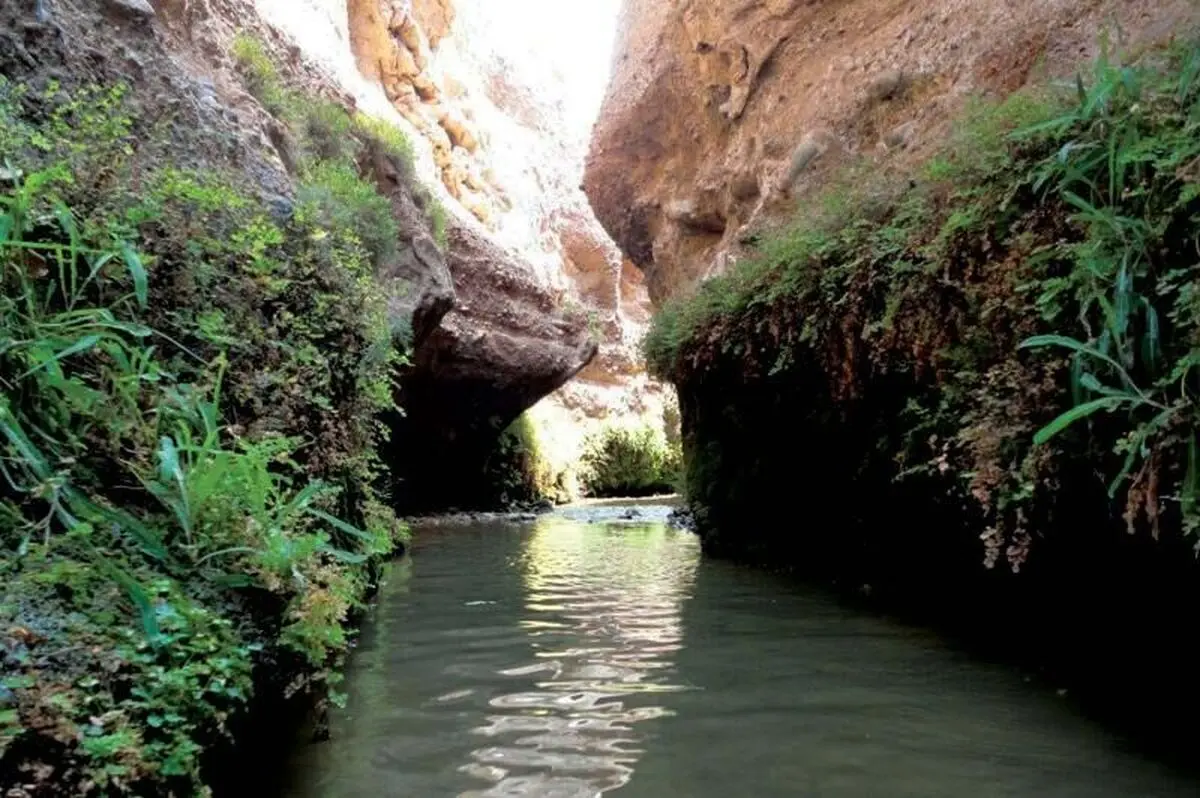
(189, 504)
(1017, 310)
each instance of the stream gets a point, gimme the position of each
(593, 651)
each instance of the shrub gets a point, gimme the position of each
(1032, 288)
(189, 393)
(629, 461)
(261, 76)
(341, 199)
(394, 142)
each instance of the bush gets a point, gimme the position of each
(629, 461)
(341, 199)
(1022, 308)
(189, 394)
(261, 76)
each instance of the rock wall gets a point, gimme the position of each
(501, 115)
(530, 288)
(721, 116)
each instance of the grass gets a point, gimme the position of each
(1034, 282)
(190, 388)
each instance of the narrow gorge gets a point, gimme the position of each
(329, 328)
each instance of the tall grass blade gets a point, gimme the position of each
(137, 271)
(85, 344)
(1046, 433)
(31, 457)
(339, 524)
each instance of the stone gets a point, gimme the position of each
(139, 8)
(503, 347)
(887, 86)
(899, 137)
(695, 85)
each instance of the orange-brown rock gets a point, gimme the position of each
(723, 114)
(435, 18)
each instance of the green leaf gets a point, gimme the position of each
(7, 223)
(138, 595)
(137, 271)
(150, 541)
(1040, 341)
(1151, 341)
(168, 461)
(345, 556)
(1075, 414)
(339, 524)
(1090, 382)
(30, 455)
(84, 344)
(1191, 481)
(1079, 202)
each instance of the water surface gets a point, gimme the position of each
(562, 658)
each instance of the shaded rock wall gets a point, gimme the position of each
(721, 116)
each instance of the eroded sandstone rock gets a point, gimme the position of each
(711, 101)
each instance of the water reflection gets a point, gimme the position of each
(555, 660)
(603, 615)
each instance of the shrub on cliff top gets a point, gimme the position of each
(1051, 244)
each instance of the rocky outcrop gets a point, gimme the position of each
(505, 346)
(722, 115)
(530, 282)
(501, 145)
(505, 137)
(499, 141)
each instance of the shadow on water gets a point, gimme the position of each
(591, 652)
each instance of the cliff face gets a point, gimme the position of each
(530, 289)
(495, 107)
(723, 115)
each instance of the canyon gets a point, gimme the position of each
(913, 282)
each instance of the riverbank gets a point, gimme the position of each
(192, 506)
(974, 381)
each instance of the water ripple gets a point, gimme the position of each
(573, 730)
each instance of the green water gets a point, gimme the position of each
(569, 659)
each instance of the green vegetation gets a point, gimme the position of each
(190, 386)
(261, 76)
(518, 473)
(334, 142)
(1016, 317)
(630, 461)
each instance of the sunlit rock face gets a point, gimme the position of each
(499, 99)
(725, 114)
